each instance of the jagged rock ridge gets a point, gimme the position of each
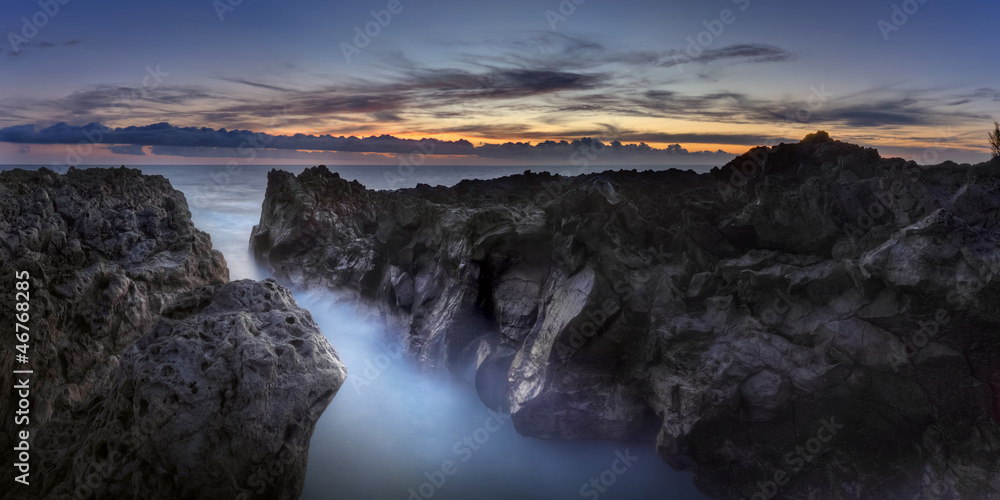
(809, 296)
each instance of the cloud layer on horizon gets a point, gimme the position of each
(166, 139)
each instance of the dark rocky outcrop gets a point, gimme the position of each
(106, 249)
(810, 319)
(126, 298)
(219, 400)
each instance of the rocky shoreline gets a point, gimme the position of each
(153, 376)
(809, 321)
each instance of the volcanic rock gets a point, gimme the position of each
(810, 320)
(152, 378)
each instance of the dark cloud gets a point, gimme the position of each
(164, 134)
(114, 102)
(43, 45)
(59, 44)
(507, 84)
(865, 117)
(747, 52)
(117, 103)
(559, 51)
(986, 93)
(251, 83)
(719, 106)
(491, 83)
(386, 116)
(908, 109)
(888, 107)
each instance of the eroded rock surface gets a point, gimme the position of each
(106, 250)
(219, 400)
(810, 319)
(148, 377)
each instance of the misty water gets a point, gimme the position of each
(393, 431)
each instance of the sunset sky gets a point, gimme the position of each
(134, 82)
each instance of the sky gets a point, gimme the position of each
(474, 82)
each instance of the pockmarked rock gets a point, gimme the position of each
(106, 250)
(219, 400)
(152, 377)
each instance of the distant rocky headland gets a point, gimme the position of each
(152, 375)
(810, 320)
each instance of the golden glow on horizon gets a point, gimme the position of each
(898, 143)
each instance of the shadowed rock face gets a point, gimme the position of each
(219, 400)
(106, 250)
(151, 377)
(810, 319)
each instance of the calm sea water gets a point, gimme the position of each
(394, 432)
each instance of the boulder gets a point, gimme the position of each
(218, 400)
